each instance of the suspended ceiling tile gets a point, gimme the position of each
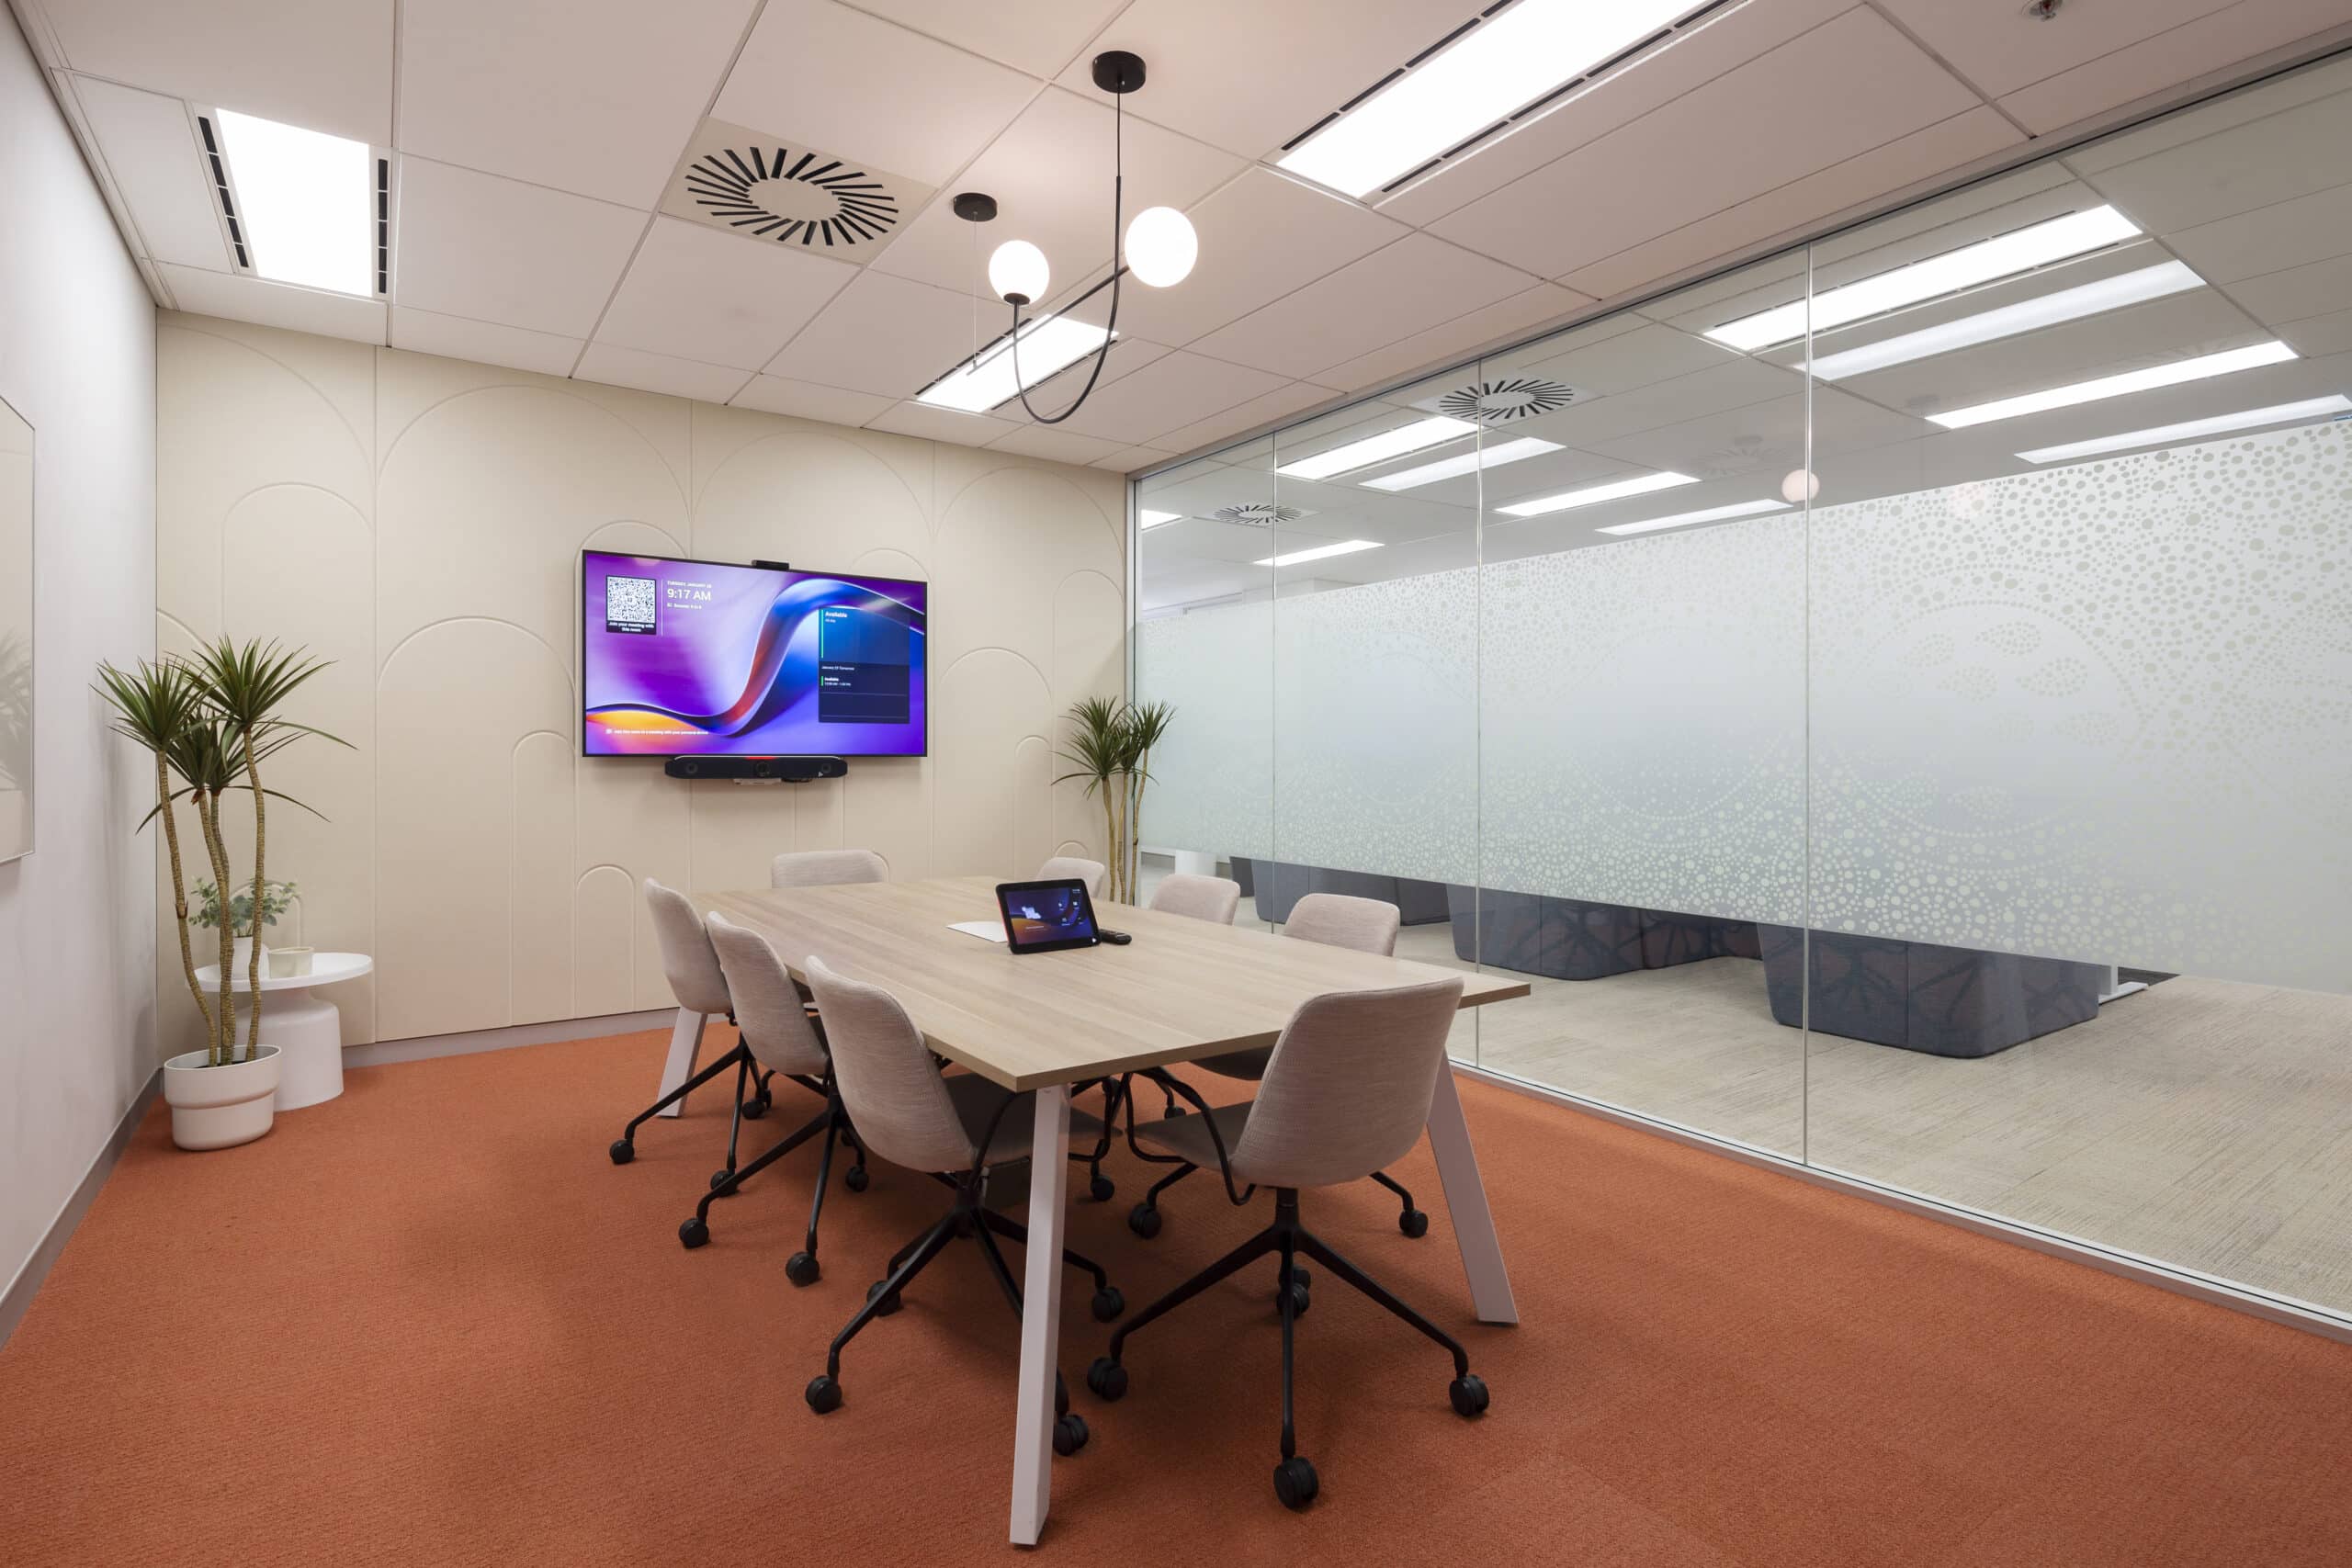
(150, 148)
(1129, 459)
(1999, 49)
(715, 298)
(806, 400)
(248, 298)
(493, 249)
(1681, 163)
(664, 373)
(939, 424)
(869, 90)
(2241, 169)
(1464, 334)
(485, 342)
(1248, 76)
(1417, 283)
(1174, 391)
(2166, 60)
(1053, 443)
(1280, 404)
(2297, 292)
(1050, 173)
(890, 336)
(2261, 101)
(595, 97)
(2315, 335)
(1037, 36)
(323, 67)
(2270, 238)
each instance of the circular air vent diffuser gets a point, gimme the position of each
(1500, 402)
(806, 198)
(1258, 515)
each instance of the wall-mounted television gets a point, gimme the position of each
(711, 659)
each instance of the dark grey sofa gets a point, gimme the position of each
(1278, 885)
(1946, 1001)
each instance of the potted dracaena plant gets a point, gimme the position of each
(1110, 752)
(210, 719)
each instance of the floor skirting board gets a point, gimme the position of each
(21, 1289)
(2293, 1314)
(465, 1042)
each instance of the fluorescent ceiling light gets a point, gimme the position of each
(2189, 430)
(1593, 495)
(1147, 518)
(306, 201)
(2173, 375)
(2026, 316)
(1493, 457)
(1048, 344)
(1502, 65)
(1377, 449)
(1320, 552)
(2021, 250)
(1712, 515)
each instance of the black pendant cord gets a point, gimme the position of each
(1110, 330)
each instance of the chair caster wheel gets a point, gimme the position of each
(622, 1151)
(1294, 1482)
(1069, 1435)
(1299, 1300)
(1106, 1379)
(1468, 1393)
(1108, 1303)
(856, 1180)
(802, 1268)
(694, 1232)
(755, 1109)
(1144, 1220)
(1299, 1276)
(890, 1303)
(823, 1395)
(1172, 1111)
(1414, 1223)
(720, 1178)
(1102, 1189)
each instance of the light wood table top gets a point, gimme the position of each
(1182, 990)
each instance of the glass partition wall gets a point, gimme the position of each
(1893, 701)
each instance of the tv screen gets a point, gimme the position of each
(703, 659)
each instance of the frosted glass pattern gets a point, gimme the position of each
(1212, 779)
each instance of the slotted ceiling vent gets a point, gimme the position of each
(784, 193)
(1260, 514)
(1513, 397)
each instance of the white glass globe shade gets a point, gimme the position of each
(1161, 246)
(1017, 272)
(1800, 487)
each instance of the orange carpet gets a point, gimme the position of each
(429, 1324)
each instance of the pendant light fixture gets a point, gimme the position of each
(1159, 246)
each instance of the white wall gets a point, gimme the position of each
(77, 360)
(419, 521)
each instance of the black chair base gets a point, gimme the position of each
(801, 1268)
(1295, 1483)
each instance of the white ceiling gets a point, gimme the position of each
(2251, 191)
(534, 139)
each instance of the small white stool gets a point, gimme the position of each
(307, 1029)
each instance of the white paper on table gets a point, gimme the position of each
(988, 930)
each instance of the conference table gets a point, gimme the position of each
(1182, 990)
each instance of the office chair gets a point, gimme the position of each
(826, 868)
(1066, 868)
(1211, 898)
(695, 979)
(780, 1036)
(1346, 1091)
(957, 1129)
(1335, 919)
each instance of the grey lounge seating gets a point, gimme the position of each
(1946, 1001)
(1278, 884)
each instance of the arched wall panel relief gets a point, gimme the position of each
(419, 519)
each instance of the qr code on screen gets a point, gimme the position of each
(628, 603)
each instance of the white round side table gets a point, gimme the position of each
(306, 1029)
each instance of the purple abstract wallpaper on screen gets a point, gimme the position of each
(685, 658)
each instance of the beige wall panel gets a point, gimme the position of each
(1033, 803)
(886, 805)
(722, 434)
(810, 496)
(1006, 540)
(1090, 646)
(464, 694)
(738, 828)
(990, 801)
(412, 384)
(635, 822)
(604, 939)
(541, 880)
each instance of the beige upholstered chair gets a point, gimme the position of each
(1211, 898)
(781, 1040)
(1347, 1090)
(957, 1127)
(1074, 868)
(692, 969)
(1335, 919)
(825, 868)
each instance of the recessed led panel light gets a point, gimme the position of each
(305, 198)
(1497, 67)
(1493, 457)
(1048, 344)
(2009, 320)
(2190, 429)
(2173, 375)
(1320, 552)
(2002, 255)
(1393, 443)
(1711, 515)
(1147, 518)
(1593, 495)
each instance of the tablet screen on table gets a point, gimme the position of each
(1047, 917)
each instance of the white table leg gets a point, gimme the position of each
(1465, 1199)
(1041, 1319)
(685, 1045)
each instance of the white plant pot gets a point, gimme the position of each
(244, 955)
(218, 1108)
